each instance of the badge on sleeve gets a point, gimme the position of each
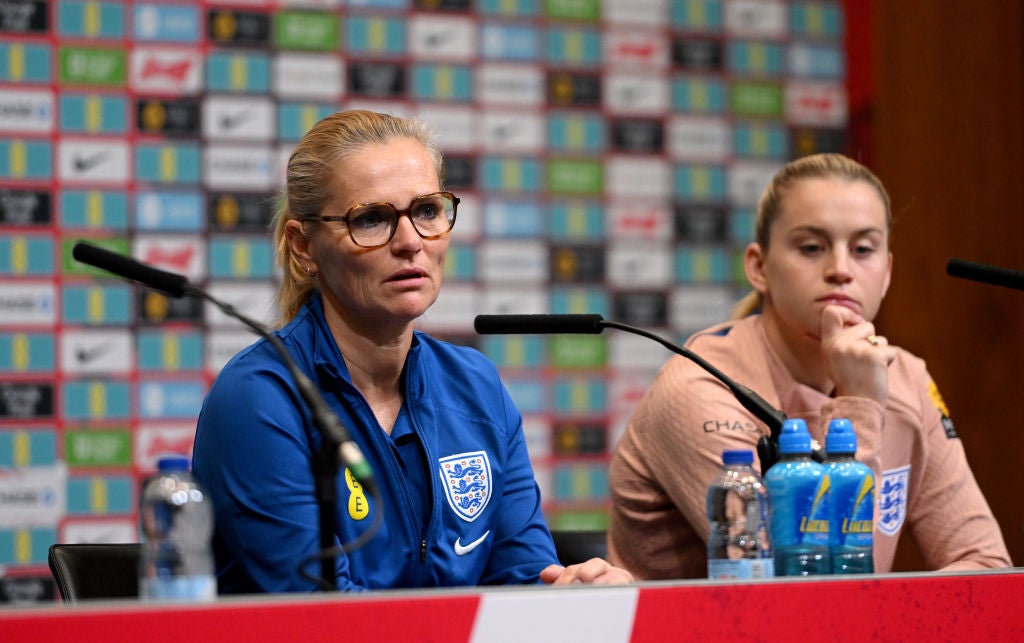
(892, 500)
(940, 404)
(466, 478)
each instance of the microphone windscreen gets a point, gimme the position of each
(538, 324)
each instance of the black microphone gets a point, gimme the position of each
(175, 285)
(169, 283)
(767, 447)
(986, 274)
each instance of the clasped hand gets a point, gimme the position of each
(857, 360)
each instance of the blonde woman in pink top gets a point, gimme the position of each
(804, 340)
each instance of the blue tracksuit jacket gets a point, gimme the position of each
(253, 454)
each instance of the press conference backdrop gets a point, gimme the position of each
(608, 154)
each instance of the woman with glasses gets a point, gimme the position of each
(361, 240)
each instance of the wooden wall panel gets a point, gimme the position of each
(948, 141)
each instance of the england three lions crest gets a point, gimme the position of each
(892, 500)
(467, 483)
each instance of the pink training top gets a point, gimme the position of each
(673, 448)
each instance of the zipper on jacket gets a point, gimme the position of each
(423, 550)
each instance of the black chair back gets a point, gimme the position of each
(577, 546)
(95, 571)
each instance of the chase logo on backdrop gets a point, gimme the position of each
(28, 304)
(297, 75)
(26, 111)
(467, 483)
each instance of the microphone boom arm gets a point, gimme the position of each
(334, 450)
(986, 274)
(323, 418)
(337, 446)
(772, 417)
(592, 324)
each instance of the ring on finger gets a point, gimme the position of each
(872, 339)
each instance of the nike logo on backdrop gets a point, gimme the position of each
(231, 121)
(91, 353)
(462, 550)
(86, 163)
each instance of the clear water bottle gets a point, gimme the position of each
(739, 545)
(799, 491)
(852, 502)
(176, 526)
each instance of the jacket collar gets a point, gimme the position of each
(318, 345)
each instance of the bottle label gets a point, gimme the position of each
(800, 507)
(741, 568)
(853, 507)
(179, 588)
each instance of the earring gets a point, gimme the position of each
(312, 275)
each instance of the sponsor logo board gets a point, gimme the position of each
(25, 111)
(164, 70)
(32, 496)
(96, 162)
(28, 304)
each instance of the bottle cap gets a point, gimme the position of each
(841, 437)
(738, 456)
(172, 462)
(795, 438)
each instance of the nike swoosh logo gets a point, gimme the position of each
(462, 550)
(86, 355)
(86, 163)
(231, 121)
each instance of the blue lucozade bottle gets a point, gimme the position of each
(176, 525)
(739, 545)
(852, 504)
(799, 491)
